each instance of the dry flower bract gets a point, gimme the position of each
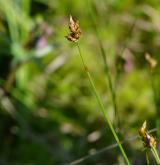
(142, 130)
(148, 140)
(75, 31)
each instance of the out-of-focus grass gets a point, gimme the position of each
(47, 110)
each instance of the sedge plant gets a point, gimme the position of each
(149, 142)
(73, 36)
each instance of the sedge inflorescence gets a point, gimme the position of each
(148, 140)
(75, 31)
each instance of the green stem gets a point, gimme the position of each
(155, 154)
(106, 67)
(103, 109)
(11, 19)
(155, 92)
(147, 160)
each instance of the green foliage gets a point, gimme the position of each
(48, 113)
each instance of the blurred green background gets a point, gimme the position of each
(48, 114)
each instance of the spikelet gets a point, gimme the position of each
(148, 140)
(75, 31)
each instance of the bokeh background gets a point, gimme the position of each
(48, 113)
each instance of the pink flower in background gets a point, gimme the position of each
(129, 61)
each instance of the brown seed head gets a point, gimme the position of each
(148, 140)
(73, 25)
(75, 31)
